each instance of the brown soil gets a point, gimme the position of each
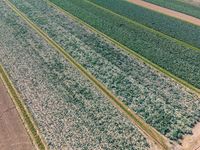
(166, 11)
(13, 135)
(192, 142)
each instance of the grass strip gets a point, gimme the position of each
(24, 114)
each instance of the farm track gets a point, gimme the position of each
(183, 43)
(13, 134)
(134, 54)
(145, 128)
(168, 12)
(30, 126)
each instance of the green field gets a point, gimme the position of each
(69, 111)
(177, 59)
(101, 74)
(178, 5)
(157, 21)
(139, 86)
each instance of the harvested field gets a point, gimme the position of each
(13, 135)
(70, 111)
(144, 90)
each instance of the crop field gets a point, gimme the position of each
(179, 5)
(139, 86)
(180, 60)
(165, 24)
(85, 118)
(81, 88)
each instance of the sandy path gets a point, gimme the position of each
(192, 142)
(166, 11)
(13, 135)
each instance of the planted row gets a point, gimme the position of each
(178, 6)
(177, 59)
(69, 111)
(168, 107)
(175, 28)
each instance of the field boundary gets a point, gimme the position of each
(181, 42)
(178, 80)
(145, 128)
(24, 114)
(173, 10)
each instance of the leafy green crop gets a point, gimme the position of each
(69, 111)
(175, 28)
(158, 100)
(179, 60)
(178, 6)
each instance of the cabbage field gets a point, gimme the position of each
(179, 60)
(161, 102)
(159, 22)
(81, 88)
(69, 111)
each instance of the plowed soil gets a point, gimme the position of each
(166, 11)
(13, 135)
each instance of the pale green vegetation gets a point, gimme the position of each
(161, 102)
(68, 110)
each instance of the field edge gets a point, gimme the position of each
(24, 114)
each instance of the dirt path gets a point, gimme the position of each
(192, 142)
(166, 11)
(13, 135)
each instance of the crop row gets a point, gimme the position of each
(168, 107)
(69, 111)
(178, 6)
(177, 59)
(165, 24)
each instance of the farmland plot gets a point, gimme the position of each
(165, 24)
(162, 103)
(177, 59)
(69, 111)
(178, 6)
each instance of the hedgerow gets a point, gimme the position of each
(162, 103)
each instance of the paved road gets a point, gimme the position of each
(13, 135)
(166, 11)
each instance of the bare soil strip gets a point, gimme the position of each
(192, 142)
(168, 12)
(13, 134)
